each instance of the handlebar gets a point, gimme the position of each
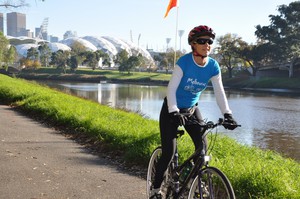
(211, 125)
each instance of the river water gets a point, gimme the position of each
(270, 120)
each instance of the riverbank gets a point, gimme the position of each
(240, 81)
(113, 129)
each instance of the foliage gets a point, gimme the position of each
(7, 53)
(282, 36)
(91, 59)
(60, 59)
(105, 58)
(165, 60)
(126, 62)
(74, 62)
(3, 46)
(45, 54)
(32, 54)
(278, 42)
(13, 4)
(29, 64)
(130, 63)
(254, 173)
(121, 57)
(10, 55)
(78, 48)
(228, 51)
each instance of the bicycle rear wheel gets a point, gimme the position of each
(156, 154)
(213, 185)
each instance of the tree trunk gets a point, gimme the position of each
(230, 72)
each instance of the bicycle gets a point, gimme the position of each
(202, 181)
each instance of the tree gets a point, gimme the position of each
(228, 51)
(282, 36)
(32, 54)
(105, 57)
(3, 47)
(164, 64)
(130, 63)
(10, 56)
(45, 54)
(121, 57)
(14, 3)
(60, 59)
(78, 48)
(74, 62)
(91, 59)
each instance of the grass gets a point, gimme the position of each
(254, 173)
(108, 74)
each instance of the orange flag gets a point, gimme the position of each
(173, 3)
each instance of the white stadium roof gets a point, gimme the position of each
(58, 46)
(110, 45)
(23, 48)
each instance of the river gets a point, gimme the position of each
(270, 120)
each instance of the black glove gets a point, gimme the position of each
(230, 123)
(178, 118)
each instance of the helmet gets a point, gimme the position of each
(200, 31)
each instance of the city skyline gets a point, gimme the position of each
(144, 22)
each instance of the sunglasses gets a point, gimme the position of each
(204, 41)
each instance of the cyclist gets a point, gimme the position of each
(190, 77)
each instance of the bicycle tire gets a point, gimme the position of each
(156, 154)
(214, 185)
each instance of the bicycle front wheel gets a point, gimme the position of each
(156, 154)
(211, 183)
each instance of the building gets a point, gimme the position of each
(16, 24)
(1, 23)
(53, 39)
(69, 34)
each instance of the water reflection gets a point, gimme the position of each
(268, 121)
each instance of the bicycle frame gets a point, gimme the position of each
(201, 160)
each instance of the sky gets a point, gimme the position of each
(143, 22)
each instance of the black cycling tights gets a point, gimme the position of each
(168, 130)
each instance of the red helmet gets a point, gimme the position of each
(200, 31)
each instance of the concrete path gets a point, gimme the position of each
(39, 162)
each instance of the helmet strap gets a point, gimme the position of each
(196, 54)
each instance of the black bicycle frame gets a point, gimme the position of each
(198, 155)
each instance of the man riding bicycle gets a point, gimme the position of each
(190, 77)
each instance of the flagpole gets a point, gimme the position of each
(177, 10)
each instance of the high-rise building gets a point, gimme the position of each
(1, 23)
(69, 34)
(16, 24)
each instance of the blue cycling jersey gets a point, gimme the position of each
(195, 79)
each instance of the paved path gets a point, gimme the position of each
(38, 162)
